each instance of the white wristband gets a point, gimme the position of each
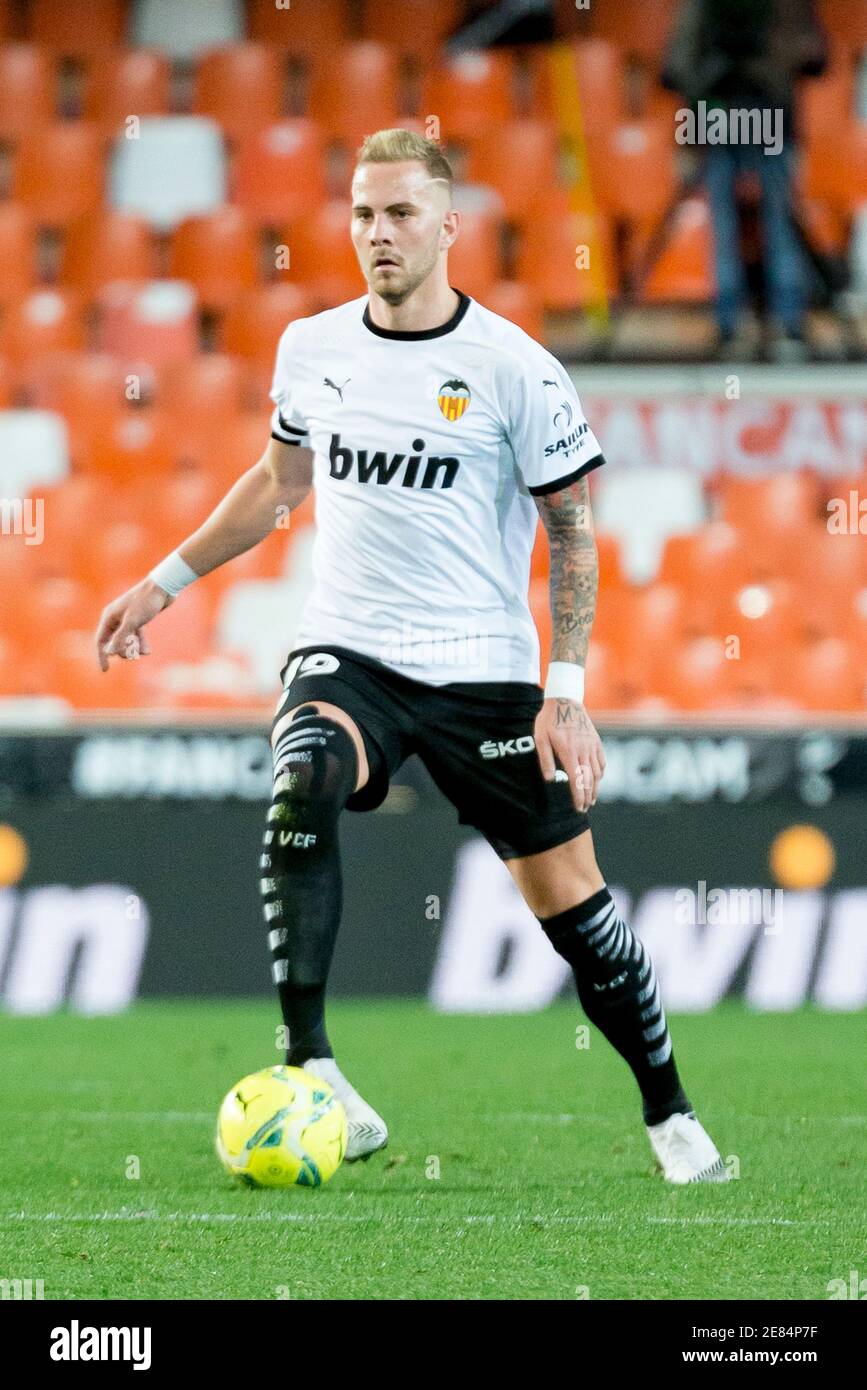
(565, 681)
(173, 574)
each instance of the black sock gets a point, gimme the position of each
(315, 770)
(619, 993)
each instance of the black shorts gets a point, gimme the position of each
(475, 739)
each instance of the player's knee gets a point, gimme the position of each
(315, 769)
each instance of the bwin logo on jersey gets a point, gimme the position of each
(453, 398)
(398, 470)
(525, 744)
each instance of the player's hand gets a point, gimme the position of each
(120, 627)
(565, 737)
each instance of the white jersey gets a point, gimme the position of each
(429, 449)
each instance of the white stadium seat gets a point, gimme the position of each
(34, 450)
(260, 617)
(642, 507)
(184, 28)
(176, 168)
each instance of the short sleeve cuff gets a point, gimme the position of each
(558, 483)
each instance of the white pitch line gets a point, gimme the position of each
(150, 1116)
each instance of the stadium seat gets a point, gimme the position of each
(253, 326)
(784, 501)
(108, 553)
(595, 90)
(71, 671)
(639, 621)
(44, 322)
(258, 618)
(124, 83)
(415, 27)
(27, 90)
(240, 86)
(474, 259)
(218, 254)
(692, 675)
(519, 160)
(7, 388)
(847, 23)
(684, 271)
(87, 389)
(176, 168)
(105, 247)
(151, 323)
(278, 173)
(139, 443)
(469, 93)
(58, 172)
(210, 390)
(62, 28)
(17, 252)
(355, 91)
(762, 616)
(836, 167)
(304, 28)
(826, 104)
(323, 258)
(636, 180)
(185, 28)
(712, 557)
(517, 302)
(639, 31)
(827, 677)
(547, 254)
(643, 507)
(34, 450)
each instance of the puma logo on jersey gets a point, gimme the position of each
(326, 381)
(296, 838)
(399, 470)
(508, 749)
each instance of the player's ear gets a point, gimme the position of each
(451, 228)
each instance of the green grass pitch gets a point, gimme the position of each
(546, 1183)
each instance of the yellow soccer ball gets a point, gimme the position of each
(281, 1127)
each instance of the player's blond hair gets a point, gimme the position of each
(393, 146)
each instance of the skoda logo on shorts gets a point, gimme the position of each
(525, 744)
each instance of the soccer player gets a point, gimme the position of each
(435, 434)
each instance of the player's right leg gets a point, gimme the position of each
(319, 760)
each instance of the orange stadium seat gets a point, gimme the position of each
(818, 556)
(519, 160)
(641, 620)
(87, 389)
(46, 321)
(547, 258)
(151, 323)
(209, 390)
(639, 31)
(17, 252)
(474, 259)
(254, 324)
(827, 676)
(779, 502)
(218, 253)
(636, 180)
(836, 166)
(6, 384)
(469, 93)
(107, 246)
(240, 86)
(71, 671)
(413, 26)
(279, 173)
(58, 172)
(126, 82)
(65, 29)
(139, 442)
(355, 90)
(598, 80)
(519, 303)
(762, 616)
(846, 21)
(111, 551)
(826, 104)
(27, 90)
(305, 27)
(684, 270)
(322, 256)
(692, 675)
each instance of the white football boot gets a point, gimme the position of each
(366, 1131)
(686, 1151)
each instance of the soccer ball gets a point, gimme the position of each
(281, 1127)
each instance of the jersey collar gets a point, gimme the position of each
(447, 327)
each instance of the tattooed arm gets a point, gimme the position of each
(564, 731)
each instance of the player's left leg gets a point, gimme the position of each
(618, 990)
